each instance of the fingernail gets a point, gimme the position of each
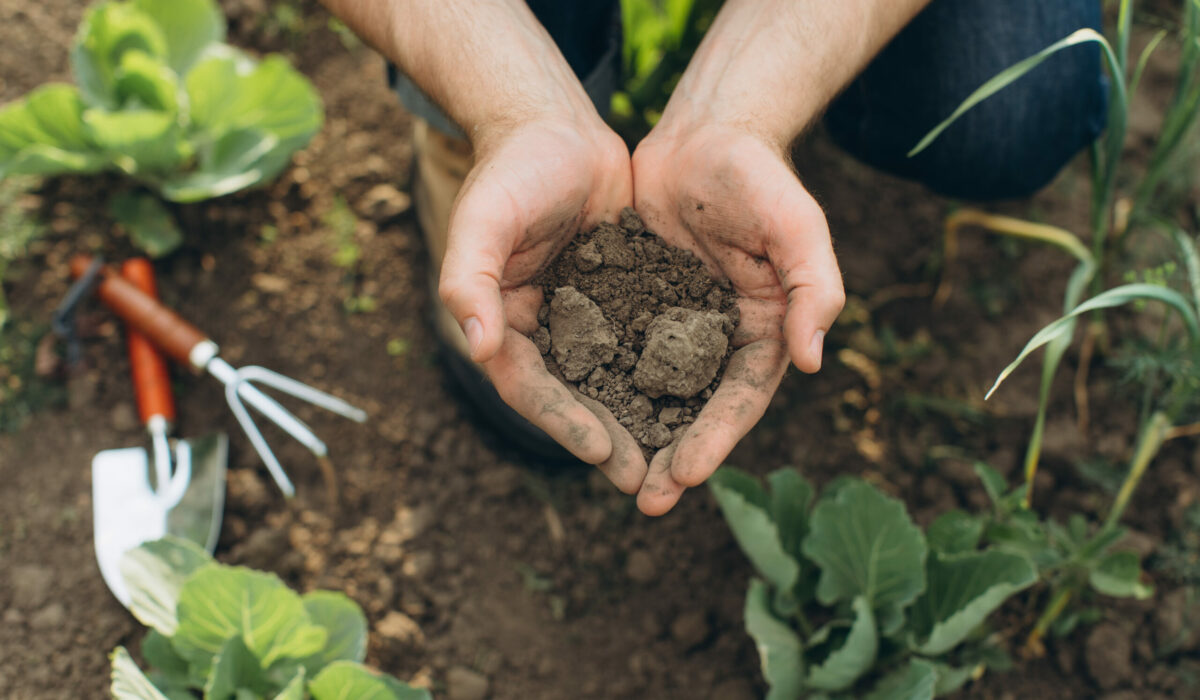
(818, 344)
(474, 332)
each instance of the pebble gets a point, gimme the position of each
(49, 617)
(464, 684)
(12, 616)
(384, 201)
(500, 482)
(417, 564)
(123, 417)
(1108, 655)
(640, 567)
(401, 628)
(670, 415)
(640, 407)
(658, 435)
(690, 629)
(587, 257)
(31, 586)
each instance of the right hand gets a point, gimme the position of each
(534, 186)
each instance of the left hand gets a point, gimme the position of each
(730, 196)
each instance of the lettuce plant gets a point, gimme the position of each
(853, 600)
(161, 98)
(224, 632)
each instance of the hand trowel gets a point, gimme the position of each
(180, 492)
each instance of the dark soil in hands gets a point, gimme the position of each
(638, 325)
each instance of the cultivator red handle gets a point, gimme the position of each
(151, 382)
(163, 327)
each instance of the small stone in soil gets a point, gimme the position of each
(683, 352)
(464, 684)
(640, 567)
(670, 415)
(587, 258)
(541, 339)
(1108, 654)
(658, 436)
(580, 337)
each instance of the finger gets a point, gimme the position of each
(660, 492)
(477, 250)
(802, 253)
(521, 379)
(521, 306)
(626, 467)
(749, 382)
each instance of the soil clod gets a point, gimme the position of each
(636, 324)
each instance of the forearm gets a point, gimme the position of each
(488, 63)
(773, 65)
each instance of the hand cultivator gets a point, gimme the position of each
(186, 344)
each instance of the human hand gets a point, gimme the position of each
(729, 195)
(534, 186)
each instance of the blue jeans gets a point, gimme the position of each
(1008, 146)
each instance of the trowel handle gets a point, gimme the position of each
(163, 327)
(151, 382)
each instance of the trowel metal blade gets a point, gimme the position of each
(127, 512)
(197, 516)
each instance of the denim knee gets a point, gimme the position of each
(1011, 144)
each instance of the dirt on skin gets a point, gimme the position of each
(638, 325)
(471, 562)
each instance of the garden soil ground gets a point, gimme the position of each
(474, 566)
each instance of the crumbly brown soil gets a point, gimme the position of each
(467, 557)
(638, 325)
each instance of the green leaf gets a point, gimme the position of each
(229, 92)
(235, 669)
(109, 30)
(779, 649)
(866, 545)
(954, 531)
(745, 506)
(163, 661)
(141, 142)
(144, 82)
(994, 482)
(963, 590)
(44, 135)
(1119, 574)
(237, 160)
(151, 227)
(1116, 296)
(1008, 76)
(345, 624)
(128, 681)
(189, 27)
(346, 679)
(854, 658)
(155, 573)
(219, 602)
(951, 678)
(294, 690)
(791, 497)
(914, 681)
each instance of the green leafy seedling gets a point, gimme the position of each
(235, 633)
(161, 98)
(904, 611)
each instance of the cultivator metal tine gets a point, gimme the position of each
(240, 390)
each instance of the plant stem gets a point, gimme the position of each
(1154, 433)
(1058, 603)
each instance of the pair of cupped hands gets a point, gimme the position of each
(722, 191)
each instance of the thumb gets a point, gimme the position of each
(476, 253)
(802, 253)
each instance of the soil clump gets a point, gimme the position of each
(638, 325)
